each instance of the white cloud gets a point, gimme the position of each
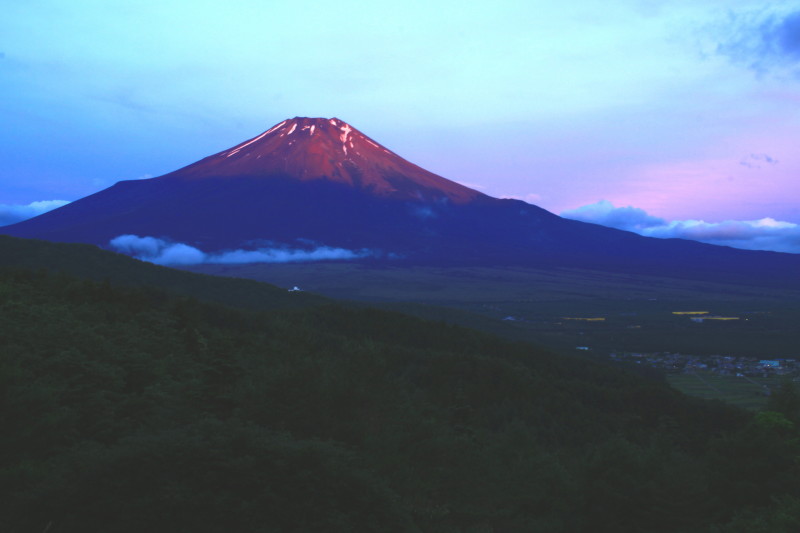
(11, 214)
(762, 234)
(163, 252)
(604, 213)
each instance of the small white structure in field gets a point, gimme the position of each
(295, 289)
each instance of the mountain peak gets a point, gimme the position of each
(329, 149)
(332, 127)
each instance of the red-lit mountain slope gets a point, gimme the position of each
(327, 149)
(311, 182)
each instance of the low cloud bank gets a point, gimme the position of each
(763, 234)
(604, 213)
(162, 252)
(11, 214)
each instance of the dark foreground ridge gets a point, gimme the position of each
(128, 408)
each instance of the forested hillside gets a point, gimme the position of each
(130, 409)
(90, 262)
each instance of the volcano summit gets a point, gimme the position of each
(309, 149)
(319, 182)
(306, 180)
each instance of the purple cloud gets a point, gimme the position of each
(756, 160)
(763, 234)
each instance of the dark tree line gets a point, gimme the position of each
(132, 409)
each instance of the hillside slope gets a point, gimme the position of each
(90, 262)
(124, 410)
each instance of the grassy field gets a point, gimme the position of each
(536, 305)
(470, 285)
(748, 393)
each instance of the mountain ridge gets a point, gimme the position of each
(313, 182)
(321, 148)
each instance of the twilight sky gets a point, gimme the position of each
(670, 118)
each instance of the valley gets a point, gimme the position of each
(620, 312)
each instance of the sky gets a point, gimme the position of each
(669, 118)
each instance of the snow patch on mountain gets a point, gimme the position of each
(346, 129)
(238, 148)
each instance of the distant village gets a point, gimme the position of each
(720, 364)
(723, 365)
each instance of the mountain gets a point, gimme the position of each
(305, 178)
(308, 149)
(315, 182)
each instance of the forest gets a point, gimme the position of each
(127, 406)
